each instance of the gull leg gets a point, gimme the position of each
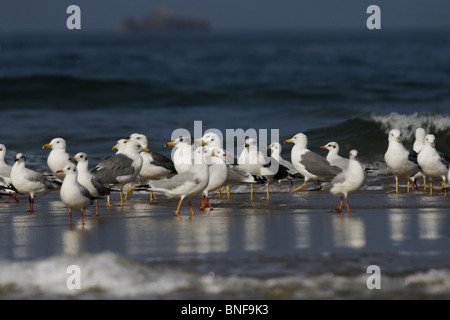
(108, 201)
(209, 204)
(228, 192)
(219, 193)
(251, 193)
(190, 206)
(346, 203)
(304, 184)
(279, 183)
(178, 208)
(121, 199)
(431, 187)
(268, 192)
(96, 207)
(407, 190)
(396, 185)
(339, 208)
(202, 205)
(83, 214)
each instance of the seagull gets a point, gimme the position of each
(256, 162)
(276, 154)
(310, 164)
(58, 157)
(121, 168)
(236, 174)
(89, 180)
(183, 155)
(30, 182)
(433, 163)
(155, 166)
(418, 145)
(74, 195)
(213, 140)
(218, 172)
(349, 180)
(333, 156)
(5, 175)
(184, 185)
(402, 162)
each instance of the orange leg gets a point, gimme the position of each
(178, 208)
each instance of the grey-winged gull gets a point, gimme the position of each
(184, 185)
(308, 163)
(433, 163)
(5, 174)
(401, 161)
(74, 195)
(121, 168)
(58, 157)
(183, 155)
(348, 181)
(155, 166)
(29, 182)
(89, 180)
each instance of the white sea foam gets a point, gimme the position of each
(107, 275)
(407, 123)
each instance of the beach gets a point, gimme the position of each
(352, 87)
(293, 247)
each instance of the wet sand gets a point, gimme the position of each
(404, 233)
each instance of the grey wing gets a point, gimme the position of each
(318, 166)
(445, 158)
(109, 169)
(85, 192)
(162, 161)
(173, 182)
(99, 186)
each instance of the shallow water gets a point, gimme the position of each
(294, 246)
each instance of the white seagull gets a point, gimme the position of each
(433, 163)
(183, 155)
(74, 195)
(333, 156)
(155, 166)
(58, 157)
(276, 154)
(256, 162)
(402, 162)
(121, 168)
(30, 182)
(184, 185)
(418, 145)
(308, 163)
(5, 174)
(218, 172)
(89, 180)
(348, 181)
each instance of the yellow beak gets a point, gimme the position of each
(170, 144)
(146, 150)
(288, 141)
(114, 147)
(48, 145)
(268, 147)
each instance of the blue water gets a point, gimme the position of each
(93, 89)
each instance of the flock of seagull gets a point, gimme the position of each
(198, 167)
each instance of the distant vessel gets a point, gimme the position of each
(163, 20)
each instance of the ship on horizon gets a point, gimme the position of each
(163, 20)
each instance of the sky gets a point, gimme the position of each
(103, 15)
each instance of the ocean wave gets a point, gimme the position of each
(108, 275)
(369, 133)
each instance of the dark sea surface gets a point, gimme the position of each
(349, 87)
